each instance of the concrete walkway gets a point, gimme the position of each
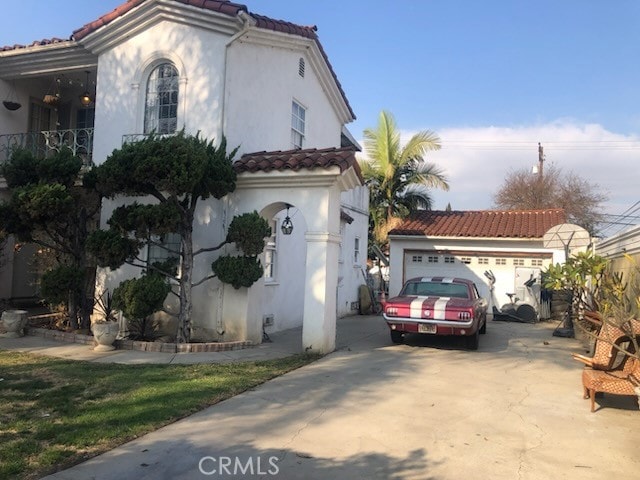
(424, 410)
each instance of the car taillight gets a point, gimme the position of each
(392, 311)
(464, 315)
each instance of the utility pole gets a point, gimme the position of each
(540, 160)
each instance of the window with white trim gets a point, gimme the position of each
(416, 258)
(356, 250)
(449, 259)
(298, 121)
(432, 259)
(501, 261)
(465, 260)
(161, 103)
(536, 262)
(271, 253)
(483, 261)
(518, 262)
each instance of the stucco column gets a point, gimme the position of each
(321, 280)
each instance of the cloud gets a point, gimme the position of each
(476, 160)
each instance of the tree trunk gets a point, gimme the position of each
(186, 267)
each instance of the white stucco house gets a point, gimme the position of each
(466, 244)
(216, 68)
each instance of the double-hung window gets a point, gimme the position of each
(298, 121)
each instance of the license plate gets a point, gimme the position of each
(426, 328)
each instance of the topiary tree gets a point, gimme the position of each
(177, 172)
(50, 207)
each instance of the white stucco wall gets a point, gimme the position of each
(262, 82)
(198, 56)
(355, 203)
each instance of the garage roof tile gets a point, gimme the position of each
(481, 223)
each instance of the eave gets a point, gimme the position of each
(147, 14)
(42, 59)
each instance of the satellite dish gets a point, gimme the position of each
(566, 236)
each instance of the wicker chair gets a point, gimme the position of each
(605, 352)
(617, 382)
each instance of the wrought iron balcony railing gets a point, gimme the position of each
(42, 144)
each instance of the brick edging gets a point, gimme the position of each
(142, 346)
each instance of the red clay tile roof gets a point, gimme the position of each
(343, 158)
(228, 8)
(46, 41)
(221, 6)
(481, 223)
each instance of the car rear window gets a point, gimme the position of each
(436, 289)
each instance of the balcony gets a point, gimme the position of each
(44, 143)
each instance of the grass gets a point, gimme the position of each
(56, 413)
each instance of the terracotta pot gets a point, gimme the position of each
(14, 322)
(105, 334)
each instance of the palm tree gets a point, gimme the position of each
(399, 179)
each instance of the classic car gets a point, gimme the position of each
(437, 306)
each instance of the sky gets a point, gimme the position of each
(491, 78)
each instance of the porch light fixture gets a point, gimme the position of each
(85, 98)
(287, 224)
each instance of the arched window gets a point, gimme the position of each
(161, 105)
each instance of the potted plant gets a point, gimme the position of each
(601, 296)
(105, 329)
(13, 323)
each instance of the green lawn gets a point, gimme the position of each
(55, 413)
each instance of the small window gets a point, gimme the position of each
(536, 262)
(432, 259)
(449, 260)
(483, 261)
(518, 262)
(465, 260)
(298, 120)
(356, 250)
(416, 259)
(270, 253)
(301, 67)
(501, 261)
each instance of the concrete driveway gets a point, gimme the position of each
(425, 410)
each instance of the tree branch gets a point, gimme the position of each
(210, 277)
(210, 249)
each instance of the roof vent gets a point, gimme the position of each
(301, 67)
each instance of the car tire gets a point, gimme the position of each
(396, 336)
(473, 341)
(483, 329)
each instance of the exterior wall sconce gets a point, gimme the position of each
(287, 224)
(85, 98)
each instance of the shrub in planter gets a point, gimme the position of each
(138, 299)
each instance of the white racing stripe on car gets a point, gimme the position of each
(416, 308)
(440, 308)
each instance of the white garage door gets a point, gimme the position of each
(507, 269)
